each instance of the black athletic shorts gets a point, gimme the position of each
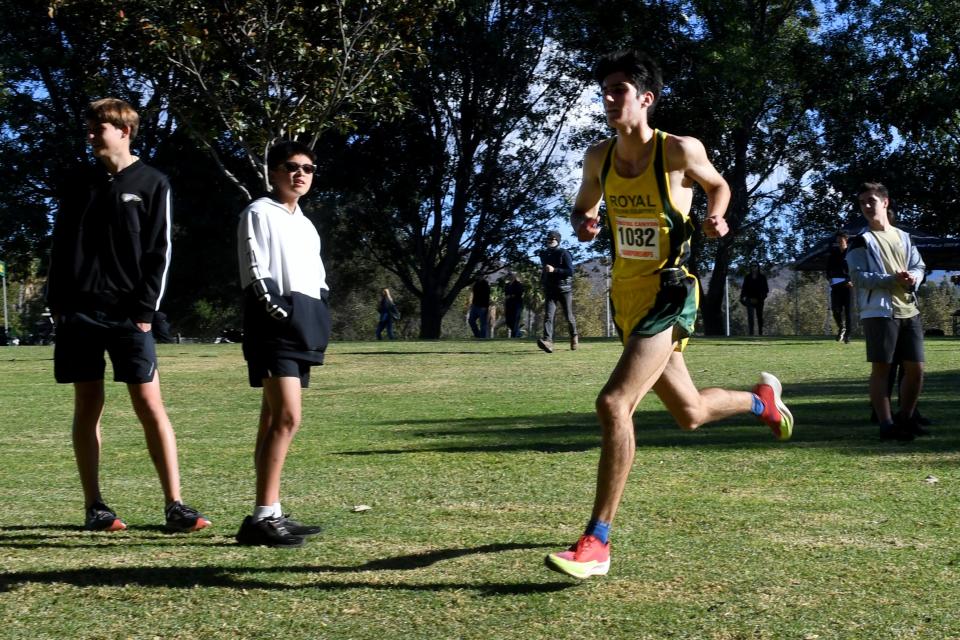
(82, 338)
(892, 340)
(275, 367)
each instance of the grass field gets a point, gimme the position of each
(478, 458)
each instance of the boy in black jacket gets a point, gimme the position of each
(108, 271)
(557, 279)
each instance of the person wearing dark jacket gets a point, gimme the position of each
(753, 294)
(479, 308)
(513, 304)
(286, 326)
(108, 272)
(557, 280)
(840, 285)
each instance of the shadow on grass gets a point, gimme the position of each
(72, 536)
(232, 577)
(832, 414)
(437, 353)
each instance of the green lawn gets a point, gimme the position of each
(478, 458)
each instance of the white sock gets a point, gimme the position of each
(277, 510)
(259, 513)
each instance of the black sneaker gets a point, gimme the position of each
(841, 335)
(895, 432)
(545, 344)
(182, 518)
(267, 532)
(100, 517)
(298, 528)
(911, 425)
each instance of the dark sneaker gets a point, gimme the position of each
(267, 532)
(911, 425)
(545, 344)
(298, 528)
(182, 518)
(842, 336)
(895, 432)
(100, 517)
(574, 342)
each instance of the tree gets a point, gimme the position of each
(890, 110)
(241, 75)
(49, 70)
(466, 181)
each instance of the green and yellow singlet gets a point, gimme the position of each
(649, 232)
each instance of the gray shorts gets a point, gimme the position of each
(892, 340)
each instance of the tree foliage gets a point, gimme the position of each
(241, 75)
(466, 181)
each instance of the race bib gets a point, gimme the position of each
(638, 239)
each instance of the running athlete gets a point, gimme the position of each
(286, 326)
(646, 177)
(108, 271)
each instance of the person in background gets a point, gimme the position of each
(513, 303)
(387, 311)
(753, 294)
(840, 285)
(479, 307)
(557, 279)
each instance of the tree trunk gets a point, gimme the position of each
(712, 307)
(432, 310)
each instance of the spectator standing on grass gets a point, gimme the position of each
(513, 303)
(557, 280)
(479, 308)
(388, 312)
(108, 273)
(840, 285)
(753, 295)
(286, 326)
(886, 270)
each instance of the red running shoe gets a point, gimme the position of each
(589, 557)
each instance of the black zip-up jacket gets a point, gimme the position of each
(562, 262)
(837, 265)
(111, 243)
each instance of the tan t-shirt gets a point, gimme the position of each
(894, 258)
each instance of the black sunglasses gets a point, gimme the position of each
(291, 167)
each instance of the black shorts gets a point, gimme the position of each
(82, 338)
(892, 340)
(276, 367)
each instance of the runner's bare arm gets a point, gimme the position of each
(689, 154)
(586, 207)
